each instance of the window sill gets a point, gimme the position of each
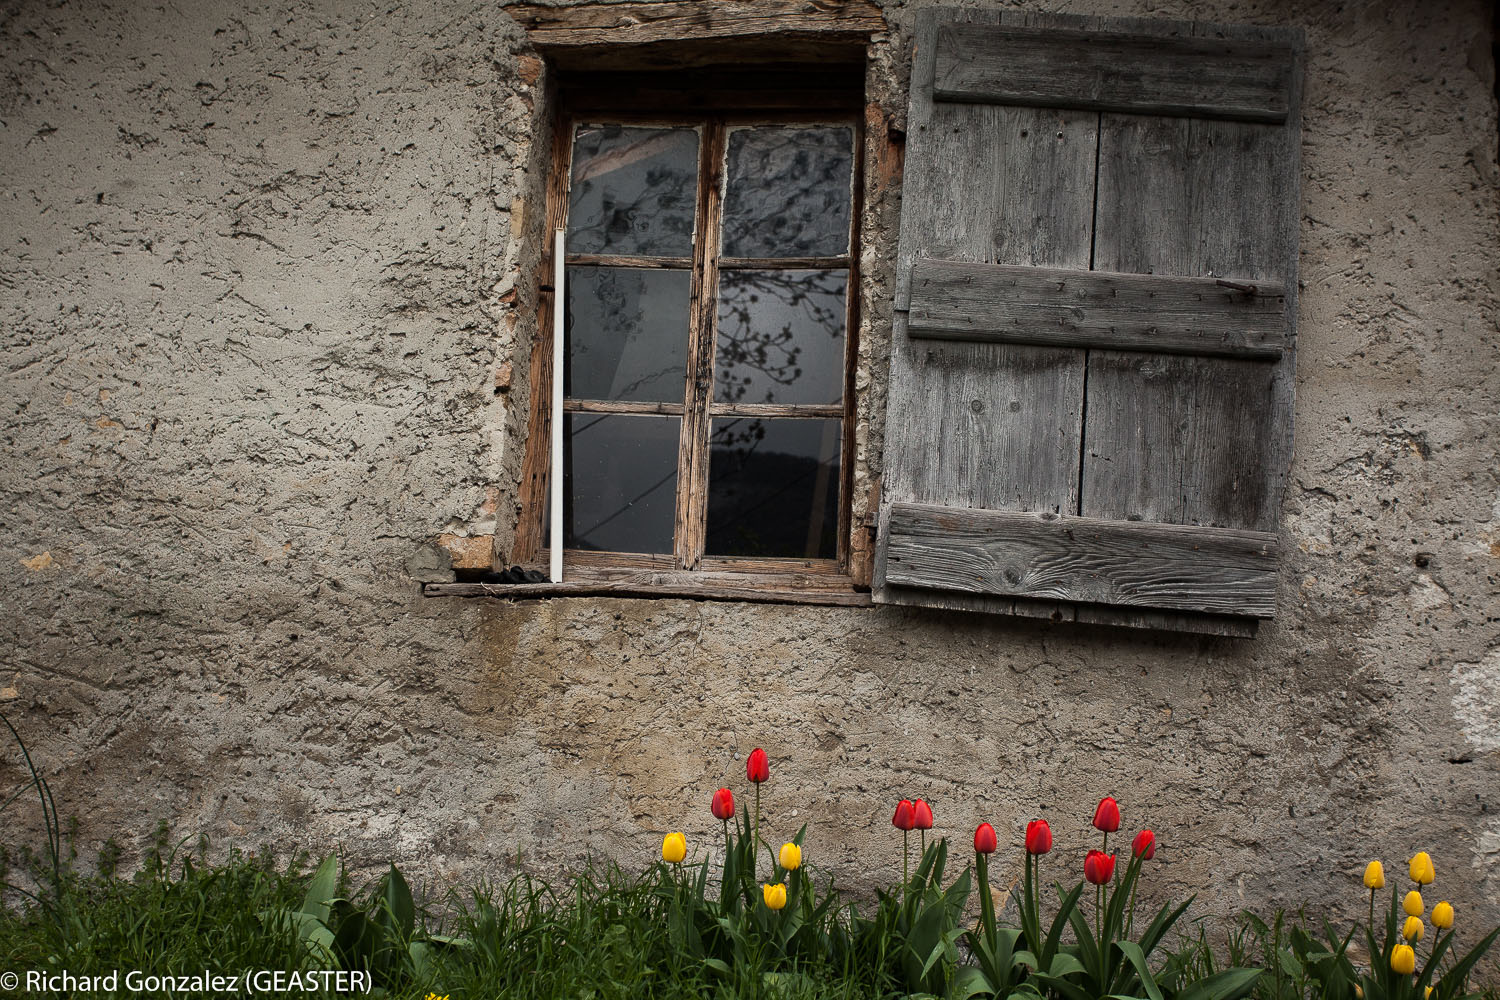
(815, 588)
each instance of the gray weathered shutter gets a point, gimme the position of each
(1090, 412)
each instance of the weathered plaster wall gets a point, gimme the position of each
(258, 276)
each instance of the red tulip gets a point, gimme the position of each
(1098, 867)
(1107, 816)
(723, 804)
(1144, 845)
(984, 839)
(758, 767)
(906, 817)
(1038, 837)
(922, 815)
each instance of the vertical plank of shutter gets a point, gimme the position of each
(1189, 440)
(986, 425)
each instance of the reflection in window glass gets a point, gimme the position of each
(620, 482)
(634, 191)
(627, 333)
(773, 488)
(780, 337)
(787, 192)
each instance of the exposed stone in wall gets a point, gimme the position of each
(261, 274)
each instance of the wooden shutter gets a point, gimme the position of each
(1090, 409)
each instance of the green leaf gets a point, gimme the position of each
(717, 965)
(398, 903)
(323, 887)
(1231, 984)
(971, 982)
(1136, 957)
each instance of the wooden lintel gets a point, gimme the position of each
(643, 23)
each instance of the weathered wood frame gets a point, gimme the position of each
(687, 572)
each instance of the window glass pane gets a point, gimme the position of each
(781, 337)
(627, 333)
(620, 482)
(634, 191)
(773, 488)
(787, 192)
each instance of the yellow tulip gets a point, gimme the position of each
(1412, 929)
(775, 895)
(1374, 875)
(673, 848)
(1421, 869)
(1427, 995)
(1403, 960)
(790, 857)
(1412, 904)
(1359, 991)
(1442, 915)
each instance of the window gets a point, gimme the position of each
(707, 309)
(1089, 399)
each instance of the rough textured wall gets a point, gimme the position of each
(258, 277)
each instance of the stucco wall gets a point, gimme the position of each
(257, 274)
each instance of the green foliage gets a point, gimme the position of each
(378, 936)
(913, 935)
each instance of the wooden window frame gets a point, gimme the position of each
(716, 107)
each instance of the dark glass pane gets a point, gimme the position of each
(627, 334)
(634, 191)
(620, 482)
(788, 192)
(781, 337)
(773, 488)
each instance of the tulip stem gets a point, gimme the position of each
(905, 859)
(1372, 911)
(755, 837)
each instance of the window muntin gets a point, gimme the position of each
(757, 349)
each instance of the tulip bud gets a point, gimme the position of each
(1374, 875)
(673, 848)
(790, 857)
(1403, 960)
(906, 817)
(1412, 904)
(922, 815)
(1038, 837)
(984, 839)
(723, 804)
(1442, 915)
(1144, 845)
(757, 767)
(1420, 869)
(1427, 994)
(1412, 929)
(1107, 815)
(775, 895)
(1098, 867)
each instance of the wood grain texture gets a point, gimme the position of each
(536, 464)
(696, 586)
(1054, 306)
(1181, 439)
(1176, 567)
(1111, 71)
(622, 24)
(992, 425)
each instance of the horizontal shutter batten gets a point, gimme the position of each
(1104, 71)
(954, 300)
(1047, 556)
